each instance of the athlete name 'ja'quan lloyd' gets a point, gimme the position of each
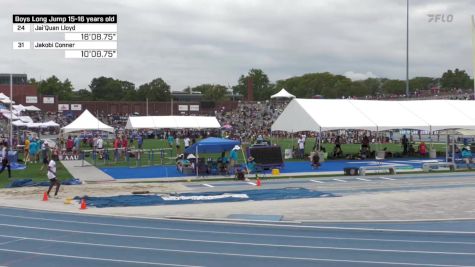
(46, 28)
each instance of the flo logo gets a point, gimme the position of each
(440, 18)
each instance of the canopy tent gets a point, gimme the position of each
(3, 96)
(6, 113)
(334, 114)
(172, 122)
(19, 108)
(25, 119)
(32, 108)
(49, 124)
(86, 121)
(212, 145)
(19, 123)
(34, 124)
(6, 101)
(283, 94)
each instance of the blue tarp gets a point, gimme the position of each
(205, 197)
(212, 145)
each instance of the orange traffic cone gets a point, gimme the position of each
(258, 182)
(83, 204)
(45, 196)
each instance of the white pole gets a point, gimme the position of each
(11, 111)
(320, 140)
(196, 161)
(407, 48)
(473, 54)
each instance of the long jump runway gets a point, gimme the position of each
(35, 238)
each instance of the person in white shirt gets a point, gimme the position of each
(5, 162)
(52, 178)
(187, 142)
(301, 144)
(100, 146)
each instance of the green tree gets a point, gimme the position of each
(397, 87)
(156, 90)
(373, 85)
(82, 95)
(54, 86)
(457, 79)
(106, 88)
(326, 84)
(421, 83)
(212, 92)
(261, 84)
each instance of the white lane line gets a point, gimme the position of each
(339, 180)
(94, 258)
(257, 224)
(240, 233)
(251, 183)
(208, 185)
(316, 181)
(225, 242)
(222, 254)
(363, 179)
(386, 178)
(11, 241)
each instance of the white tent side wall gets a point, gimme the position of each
(295, 118)
(172, 122)
(439, 114)
(389, 115)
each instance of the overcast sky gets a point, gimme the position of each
(190, 42)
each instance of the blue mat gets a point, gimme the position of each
(289, 167)
(205, 197)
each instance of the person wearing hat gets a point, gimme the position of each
(233, 157)
(467, 156)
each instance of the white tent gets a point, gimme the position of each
(32, 108)
(333, 114)
(86, 121)
(19, 123)
(26, 119)
(19, 108)
(172, 122)
(6, 113)
(34, 124)
(283, 94)
(6, 101)
(49, 124)
(3, 96)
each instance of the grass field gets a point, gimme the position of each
(33, 169)
(34, 172)
(283, 143)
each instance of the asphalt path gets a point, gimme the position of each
(39, 238)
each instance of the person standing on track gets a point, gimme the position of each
(52, 178)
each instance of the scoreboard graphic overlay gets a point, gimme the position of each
(81, 36)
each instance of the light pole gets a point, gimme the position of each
(473, 54)
(407, 48)
(11, 111)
